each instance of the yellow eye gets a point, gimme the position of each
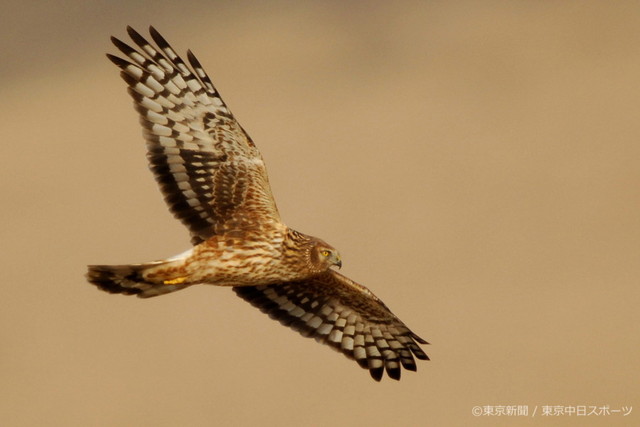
(325, 253)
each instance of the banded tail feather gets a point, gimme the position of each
(130, 280)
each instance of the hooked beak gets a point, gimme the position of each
(339, 263)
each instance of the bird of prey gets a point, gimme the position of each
(214, 180)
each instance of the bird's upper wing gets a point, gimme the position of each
(345, 315)
(209, 170)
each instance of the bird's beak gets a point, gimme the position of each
(339, 263)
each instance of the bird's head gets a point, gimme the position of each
(324, 256)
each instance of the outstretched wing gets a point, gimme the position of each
(345, 315)
(210, 172)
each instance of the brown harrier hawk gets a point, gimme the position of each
(214, 180)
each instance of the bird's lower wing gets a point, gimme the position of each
(344, 315)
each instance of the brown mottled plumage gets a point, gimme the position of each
(214, 180)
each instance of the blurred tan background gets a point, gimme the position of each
(476, 163)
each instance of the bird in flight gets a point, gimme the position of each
(215, 182)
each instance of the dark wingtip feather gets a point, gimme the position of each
(193, 60)
(136, 37)
(121, 63)
(376, 373)
(131, 81)
(417, 338)
(132, 33)
(394, 373)
(410, 367)
(124, 48)
(160, 41)
(417, 351)
(363, 363)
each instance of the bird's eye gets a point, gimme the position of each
(325, 253)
